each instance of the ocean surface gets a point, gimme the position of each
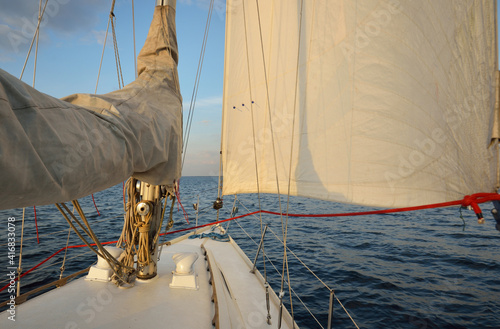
(425, 269)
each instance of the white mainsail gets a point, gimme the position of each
(391, 103)
(55, 150)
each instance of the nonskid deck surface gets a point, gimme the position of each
(91, 304)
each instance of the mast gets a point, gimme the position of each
(144, 216)
(69, 148)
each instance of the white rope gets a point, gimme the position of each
(104, 45)
(119, 73)
(349, 315)
(268, 107)
(301, 262)
(102, 55)
(33, 40)
(279, 273)
(253, 134)
(37, 39)
(65, 253)
(291, 147)
(196, 86)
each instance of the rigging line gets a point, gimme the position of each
(268, 105)
(56, 232)
(113, 33)
(303, 264)
(65, 253)
(197, 82)
(104, 45)
(253, 131)
(278, 272)
(117, 54)
(115, 265)
(316, 276)
(222, 135)
(36, 46)
(107, 256)
(347, 312)
(285, 256)
(95, 222)
(301, 261)
(161, 213)
(133, 33)
(33, 40)
(74, 227)
(102, 55)
(291, 251)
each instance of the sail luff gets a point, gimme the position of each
(396, 100)
(57, 150)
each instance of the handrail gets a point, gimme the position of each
(215, 319)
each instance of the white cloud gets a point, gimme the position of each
(99, 36)
(65, 18)
(213, 101)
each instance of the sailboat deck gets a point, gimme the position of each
(239, 298)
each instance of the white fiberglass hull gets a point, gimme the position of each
(240, 299)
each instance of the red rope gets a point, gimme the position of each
(469, 200)
(98, 213)
(109, 242)
(177, 194)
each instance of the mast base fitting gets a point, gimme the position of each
(146, 276)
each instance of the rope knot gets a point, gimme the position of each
(144, 228)
(472, 200)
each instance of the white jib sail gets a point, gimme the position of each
(390, 102)
(55, 150)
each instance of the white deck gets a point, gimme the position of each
(153, 304)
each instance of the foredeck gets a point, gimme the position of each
(238, 300)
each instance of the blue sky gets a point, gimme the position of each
(70, 49)
(71, 45)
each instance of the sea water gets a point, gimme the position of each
(425, 269)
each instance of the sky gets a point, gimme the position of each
(70, 48)
(71, 41)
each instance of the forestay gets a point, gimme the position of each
(55, 150)
(383, 103)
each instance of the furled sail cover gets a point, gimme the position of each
(390, 102)
(55, 150)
